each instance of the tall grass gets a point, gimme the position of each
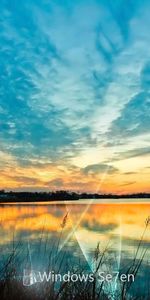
(11, 286)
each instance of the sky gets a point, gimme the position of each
(75, 95)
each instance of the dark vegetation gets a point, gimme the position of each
(61, 195)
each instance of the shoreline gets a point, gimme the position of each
(81, 201)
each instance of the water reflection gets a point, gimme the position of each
(102, 221)
(43, 235)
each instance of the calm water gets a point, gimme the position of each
(41, 234)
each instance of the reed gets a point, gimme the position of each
(11, 286)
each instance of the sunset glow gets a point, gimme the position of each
(74, 96)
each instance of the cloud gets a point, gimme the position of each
(74, 75)
(56, 183)
(26, 180)
(132, 153)
(99, 168)
(134, 119)
(44, 84)
(129, 173)
(128, 183)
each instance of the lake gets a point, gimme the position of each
(64, 236)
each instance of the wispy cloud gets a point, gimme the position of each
(74, 76)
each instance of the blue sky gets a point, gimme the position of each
(74, 93)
